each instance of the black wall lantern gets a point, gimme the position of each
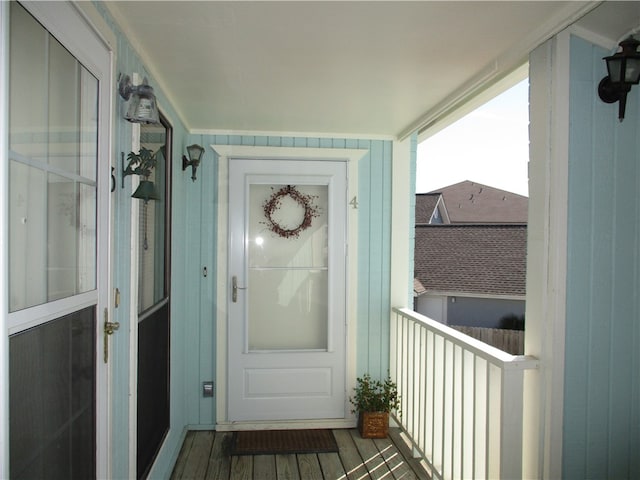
(195, 154)
(624, 70)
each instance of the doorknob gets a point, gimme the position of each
(235, 288)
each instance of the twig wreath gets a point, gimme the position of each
(274, 202)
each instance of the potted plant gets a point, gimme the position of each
(372, 401)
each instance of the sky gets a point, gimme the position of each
(490, 146)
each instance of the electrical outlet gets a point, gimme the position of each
(207, 389)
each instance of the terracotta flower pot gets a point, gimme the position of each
(373, 424)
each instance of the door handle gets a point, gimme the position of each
(235, 288)
(108, 329)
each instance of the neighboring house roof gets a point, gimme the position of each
(472, 202)
(428, 204)
(471, 259)
(418, 288)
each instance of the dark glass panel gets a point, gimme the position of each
(153, 386)
(52, 399)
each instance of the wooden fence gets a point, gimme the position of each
(510, 341)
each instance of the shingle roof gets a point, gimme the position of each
(418, 288)
(425, 205)
(472, 202)
(476, 259)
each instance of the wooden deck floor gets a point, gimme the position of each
(203, 457)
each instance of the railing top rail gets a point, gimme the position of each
(491, 354)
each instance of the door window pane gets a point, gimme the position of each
(64, 109)
(288, 267)
(53, 157)
(27, 221)
(152, 253)
(288, 309)
(306, 249)
(28, 85)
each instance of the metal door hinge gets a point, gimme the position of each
(235, 288)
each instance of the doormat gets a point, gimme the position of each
(272, 442)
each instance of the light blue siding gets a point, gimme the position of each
(194, 245)
(374, 242)
(602, 404)
(129, 62)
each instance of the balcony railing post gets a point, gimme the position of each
(511, 431)
(463, 399)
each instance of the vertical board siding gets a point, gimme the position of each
(412, 214)
(194, 221)
(375, 260)
(374, 236)
(191, 291)
(128, 62)
(635, 337)
(364, 254)
(207, 175)
(624, 311)
(601, 379)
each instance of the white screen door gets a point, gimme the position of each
(287, 289)
(57, 233)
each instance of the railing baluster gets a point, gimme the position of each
(454, 410)
(487, 420)
(462, 415)
(422, 399)
(473, 419)
(432, 378)
(445, 372)
(417, 386)
(461, 398)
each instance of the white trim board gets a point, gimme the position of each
(547, 257)
(289, 425)
(257, 133)
(226, 152)
(500, 67)
(4, 254)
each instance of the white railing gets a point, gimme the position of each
(462, 400)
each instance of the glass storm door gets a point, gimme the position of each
(57, 235)
(287, 296)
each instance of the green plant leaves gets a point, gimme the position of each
(375, 395)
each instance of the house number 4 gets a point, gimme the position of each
(354, 203)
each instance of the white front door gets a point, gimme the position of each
(56, 236)
(287, 269)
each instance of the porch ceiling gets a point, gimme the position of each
(377, 68)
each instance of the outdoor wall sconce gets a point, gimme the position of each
(143, 107)
(141, 164)
(624, 70)
(195, 154)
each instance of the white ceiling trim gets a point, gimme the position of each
(352, 155)
(596, 39)
(475, 102)
(500, 68)
(258, 133)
